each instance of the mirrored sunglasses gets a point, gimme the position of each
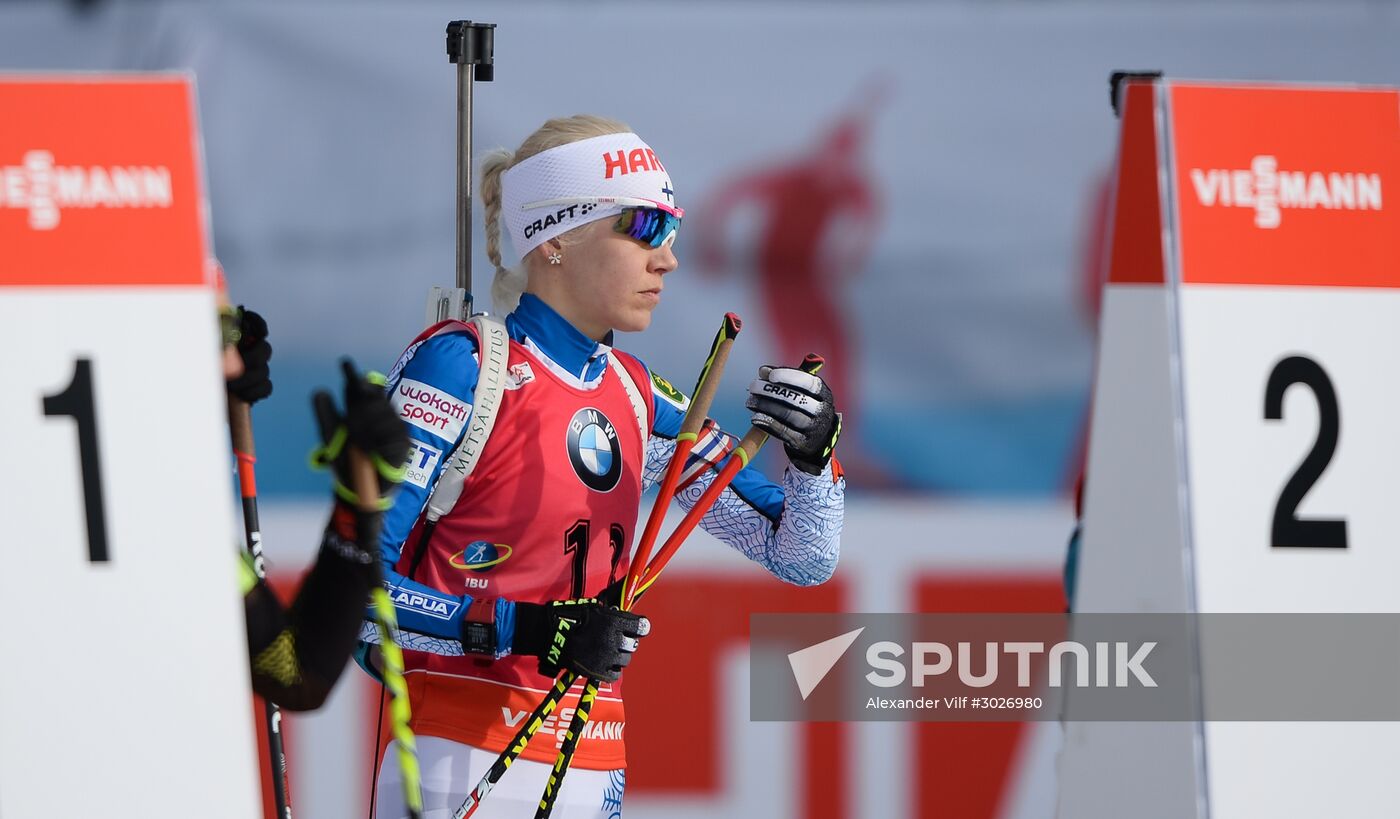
(655, 223)
(653, 226)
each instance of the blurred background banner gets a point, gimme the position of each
(913, 190)
(918, 191)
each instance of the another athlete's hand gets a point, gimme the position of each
(584, 636)
(798, 409)
(255, 383)
(371, 426)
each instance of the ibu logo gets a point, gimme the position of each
(480, 556)
(594, 450)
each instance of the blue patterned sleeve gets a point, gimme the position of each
(793, 531)
(431, 386)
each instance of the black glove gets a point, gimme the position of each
(371, 425)
(584, 636)
(798, 409)
(255, 383)
(611, 595)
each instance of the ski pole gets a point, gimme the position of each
(240, 421)
(748, 447)
(517, 745)
(367, 495)
(705, 389)
(695, 416)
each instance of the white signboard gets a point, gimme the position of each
(127, 687)
(1244, 455)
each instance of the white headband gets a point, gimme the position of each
(610, 167)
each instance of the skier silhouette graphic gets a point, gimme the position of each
(817, 215)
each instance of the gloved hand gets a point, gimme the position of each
(611, 595)
(371, 425)
(798, 409)
(255, 383)
(584, 636)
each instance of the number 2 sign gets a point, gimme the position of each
(1288, 306)
(126, 638)
(1244, 451)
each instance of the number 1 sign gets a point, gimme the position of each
(128, 683)
(1244, 452)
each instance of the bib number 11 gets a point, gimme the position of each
(576, 544)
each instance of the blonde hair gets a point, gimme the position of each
(509, 283)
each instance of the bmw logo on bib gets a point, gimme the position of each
(594, 450)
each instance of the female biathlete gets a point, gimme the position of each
(490, 597)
